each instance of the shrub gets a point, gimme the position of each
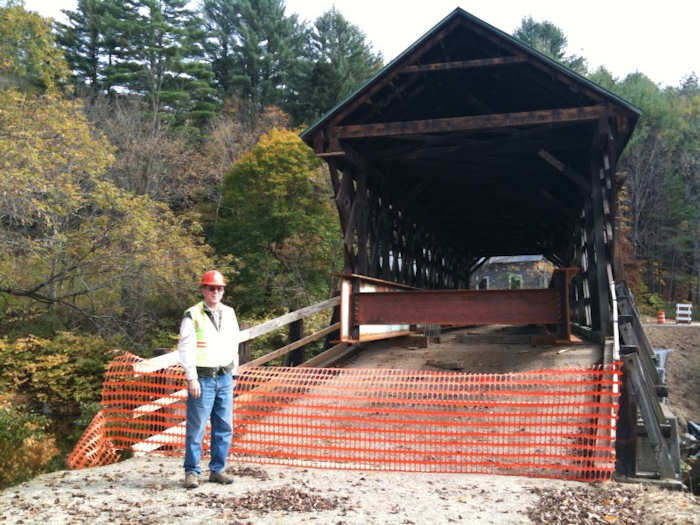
(58, 374)
(25, 447)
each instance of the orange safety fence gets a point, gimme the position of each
(547, 423)
(94, 448)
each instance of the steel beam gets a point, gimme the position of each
(393, 304)
(515, 307)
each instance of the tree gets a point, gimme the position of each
(158, 57)
(161, 162)
(29, 58)
(278, 221)
(660, 198)
(82, 42)
(91, 42)
(219, 18)
(266, 54)
(92, 254)
(548, 39)
(341, 59)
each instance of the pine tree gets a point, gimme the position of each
(550, 40)
(159, 49)
(82, 40)
(342, 60)
(266, 56)
(219, 21)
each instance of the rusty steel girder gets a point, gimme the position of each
(514, 307)
(393, 304)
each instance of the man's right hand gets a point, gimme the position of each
(193, 388)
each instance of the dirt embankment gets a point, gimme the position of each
(682, 367)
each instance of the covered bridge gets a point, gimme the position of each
(471, 144)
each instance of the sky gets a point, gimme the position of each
(659, 39)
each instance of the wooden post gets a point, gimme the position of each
(296, 332)
(602, 321)
(244, 348)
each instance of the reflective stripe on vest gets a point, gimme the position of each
(215, 347)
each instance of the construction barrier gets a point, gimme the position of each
(94, 448)
(660, 317)
(545, 423)
(684, 313)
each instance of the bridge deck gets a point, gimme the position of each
(483, 349)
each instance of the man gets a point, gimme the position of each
(208, 350)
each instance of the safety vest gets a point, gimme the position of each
(215, 347)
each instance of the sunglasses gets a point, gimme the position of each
(215, 288)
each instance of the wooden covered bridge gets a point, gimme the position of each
(468, 145)
(471, 144)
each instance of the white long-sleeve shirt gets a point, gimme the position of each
(186, 348)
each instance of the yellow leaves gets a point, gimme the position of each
(50, 156)
(25, 449)
(29, 57)
(67, 225)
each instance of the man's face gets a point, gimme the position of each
(212, 295)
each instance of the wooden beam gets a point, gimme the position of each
(285, 319)
(575, 86)
(331, 154)
(292, 346)
(331, 355)
(463, 64)
(494, 121)
(570, 173)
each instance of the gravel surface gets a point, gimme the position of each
(149, 491)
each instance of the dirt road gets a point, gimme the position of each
(148, 491)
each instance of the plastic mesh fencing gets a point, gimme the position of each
(545, 423)
(94, 448)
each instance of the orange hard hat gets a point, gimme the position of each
(214, 278)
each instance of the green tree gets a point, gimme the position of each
(550, 40)
(266, 56)
(90, 42)
(341, 60)
(73, 247)
(29, 58)
(662, 186)
(278, 221)
(158, 56)
(219, 18)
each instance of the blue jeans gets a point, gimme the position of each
(216, 402)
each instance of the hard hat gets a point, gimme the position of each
(213, 277)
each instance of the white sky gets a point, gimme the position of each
(659, 39)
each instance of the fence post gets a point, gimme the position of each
(244, 348)
(296, 332)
